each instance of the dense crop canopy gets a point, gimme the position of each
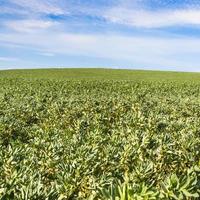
(79, 139)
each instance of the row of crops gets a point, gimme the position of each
(106, 140)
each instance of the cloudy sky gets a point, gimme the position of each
(138, 34)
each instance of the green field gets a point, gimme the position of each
(100, 74)
(99, 134)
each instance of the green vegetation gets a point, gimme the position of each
(100, 74)
(99, 134)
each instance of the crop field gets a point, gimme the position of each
(99, 134)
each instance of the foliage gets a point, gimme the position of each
(99, 139)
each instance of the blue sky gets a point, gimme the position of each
(137, 34)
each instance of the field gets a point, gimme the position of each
(99, 134)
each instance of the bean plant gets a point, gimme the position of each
(99, 139)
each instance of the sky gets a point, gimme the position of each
(133, 34)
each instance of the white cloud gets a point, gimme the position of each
(128, 12)
(7, 59)
(10, 10)
(33, 31)
(148, 51)
(48, 54)
(38, 6)
(29, 25)
(153, 19)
